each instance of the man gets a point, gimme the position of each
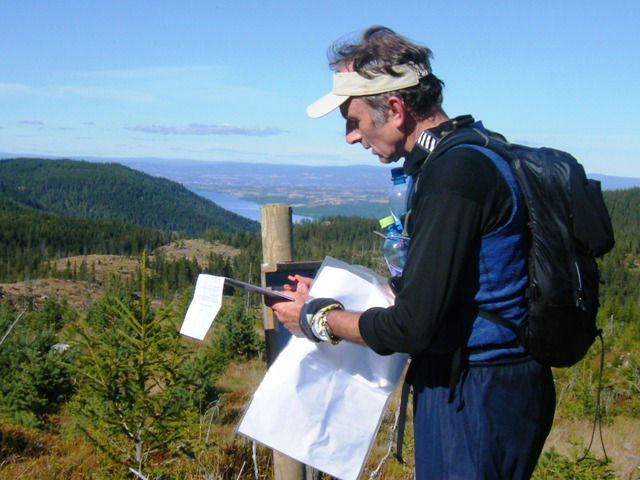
(482, 406)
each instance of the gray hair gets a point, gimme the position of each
(378, 51)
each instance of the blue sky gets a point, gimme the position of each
(229, 81)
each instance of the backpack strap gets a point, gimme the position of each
(463, 133)
(497, 319)
(492, 141)
(402, 418)
(474, 136)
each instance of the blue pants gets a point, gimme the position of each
(495, 427)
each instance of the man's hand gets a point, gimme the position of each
(299, 282)
(288, 312)
(344, 324)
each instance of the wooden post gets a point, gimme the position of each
(277, 233)
(277, 246)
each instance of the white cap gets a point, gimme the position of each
(352, 84)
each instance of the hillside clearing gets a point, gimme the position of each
(81, 294)
(198, 249)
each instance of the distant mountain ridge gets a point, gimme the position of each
(195, 172)
(609, 182)
(312, 191)
(112, 191)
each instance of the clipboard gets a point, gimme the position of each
(232, 282)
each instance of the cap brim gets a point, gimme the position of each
(325, 105)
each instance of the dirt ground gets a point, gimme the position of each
(198, 249)
(621, 442)
(79, 294)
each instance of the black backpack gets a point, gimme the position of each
(569, 227)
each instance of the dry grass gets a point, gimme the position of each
(79, 294)
(242, 376)
(44, 456)
(198, 249)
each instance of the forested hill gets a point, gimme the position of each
(111, 191)
(621, 267)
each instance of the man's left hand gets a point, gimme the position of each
(288, 312)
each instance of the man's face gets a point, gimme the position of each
(384, 141)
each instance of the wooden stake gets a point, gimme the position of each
(277, 246)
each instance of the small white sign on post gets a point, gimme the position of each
(207, 300)
(205, 305)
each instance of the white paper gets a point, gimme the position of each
(205, 305)
(321, 404)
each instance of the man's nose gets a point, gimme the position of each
(353, 136)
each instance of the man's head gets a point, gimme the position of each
(384, 89)
(381, 65)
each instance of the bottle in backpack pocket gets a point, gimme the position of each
(394, 247)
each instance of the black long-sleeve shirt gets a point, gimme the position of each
(461, 196)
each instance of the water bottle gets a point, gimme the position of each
(394, 247)
(398, 195)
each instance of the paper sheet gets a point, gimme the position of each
(207, 300)
(205, 305)
(321, 404)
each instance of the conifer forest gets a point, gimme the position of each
(106, 388)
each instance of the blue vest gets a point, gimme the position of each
(502, 276)
(501, 280)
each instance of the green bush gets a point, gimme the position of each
(238, 337)
(36, 379)
(554, 466)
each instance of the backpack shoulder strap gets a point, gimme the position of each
(472, 136)
(464, 135)
(496, 143)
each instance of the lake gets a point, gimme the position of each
(240, 206)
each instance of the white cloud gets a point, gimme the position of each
(201, 129)
(153, 72)
(7, 89)
(65, 91)
(104, 93)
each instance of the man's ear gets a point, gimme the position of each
(396, 111)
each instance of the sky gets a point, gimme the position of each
(230, 81)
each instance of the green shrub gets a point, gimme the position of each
(554, 466)
(238, 337)
(36, 379)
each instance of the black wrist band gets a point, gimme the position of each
(309, 309)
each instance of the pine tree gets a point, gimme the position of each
(238, 338)
(132, 399)
(36, 379)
